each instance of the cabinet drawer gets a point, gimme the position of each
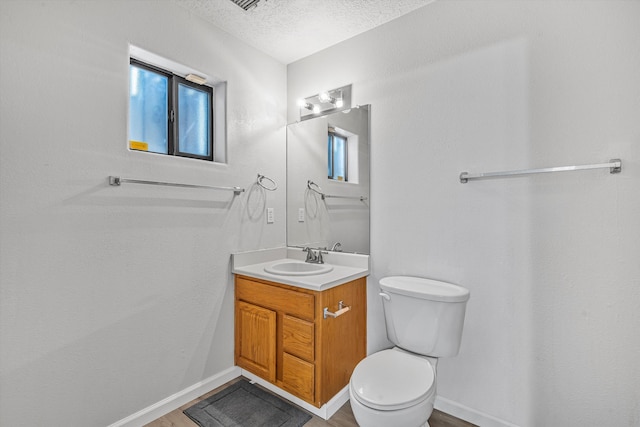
(298, 377)
(297, 304)
(297, 338)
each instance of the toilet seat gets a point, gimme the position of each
(392, 379)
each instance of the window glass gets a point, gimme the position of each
(148, 109)
(194, 117)
(337, 157)
(171, 115)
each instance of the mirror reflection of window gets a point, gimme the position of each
(337, 153)
(343, 217)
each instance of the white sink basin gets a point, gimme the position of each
(297, 268)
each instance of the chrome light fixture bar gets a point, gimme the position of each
(326, 97)
(309, 106)
(326, 102)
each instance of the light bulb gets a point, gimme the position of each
(339, 103)
(324, 97)
(304, 104)
(316, 109)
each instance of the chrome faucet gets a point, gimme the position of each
(337, 247)
(314, 257)
(311, 256)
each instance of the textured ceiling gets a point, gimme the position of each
(292, 29)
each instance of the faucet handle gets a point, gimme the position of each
(319, 258)
(311, 257)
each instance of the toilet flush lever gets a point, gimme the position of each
(342, 309)
(385, 296)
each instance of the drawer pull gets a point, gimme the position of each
(341, 310)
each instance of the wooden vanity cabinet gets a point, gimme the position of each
(281, 335)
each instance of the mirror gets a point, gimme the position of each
(328, 182)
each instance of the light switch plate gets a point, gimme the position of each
(269, 215)
(300, 214)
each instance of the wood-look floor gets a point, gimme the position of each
(342, 418)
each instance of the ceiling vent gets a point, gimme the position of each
(246, 4)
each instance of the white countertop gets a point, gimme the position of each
(346, 267)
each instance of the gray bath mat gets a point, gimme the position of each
(245, 405)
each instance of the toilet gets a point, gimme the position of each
(397, 386)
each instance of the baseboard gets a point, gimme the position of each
(325, 412)
(175, 401)
(182, 397)
(468, 414)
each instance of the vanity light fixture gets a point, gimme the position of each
(304, 104)
(309, 106)
(327, 98)
(325, 102)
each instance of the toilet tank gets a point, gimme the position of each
(424, 316)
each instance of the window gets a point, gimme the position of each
(169, 114)
(337, 156)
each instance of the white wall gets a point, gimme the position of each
(551, 334)
(112, 299)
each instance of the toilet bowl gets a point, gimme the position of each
(393, 388)
(397, 387)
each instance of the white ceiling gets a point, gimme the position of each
(292, 29)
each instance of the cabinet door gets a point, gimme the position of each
(342, 342)
(256, 340)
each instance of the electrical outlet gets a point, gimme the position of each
(300, 214)
(269, 215)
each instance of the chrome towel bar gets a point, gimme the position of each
(330, 196)
(117, 181)
(318, 190)
(614, 165)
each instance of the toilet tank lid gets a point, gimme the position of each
(420, 287)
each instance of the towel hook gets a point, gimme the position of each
(271, 187)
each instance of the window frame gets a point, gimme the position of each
(173, 83)
(332, 134)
